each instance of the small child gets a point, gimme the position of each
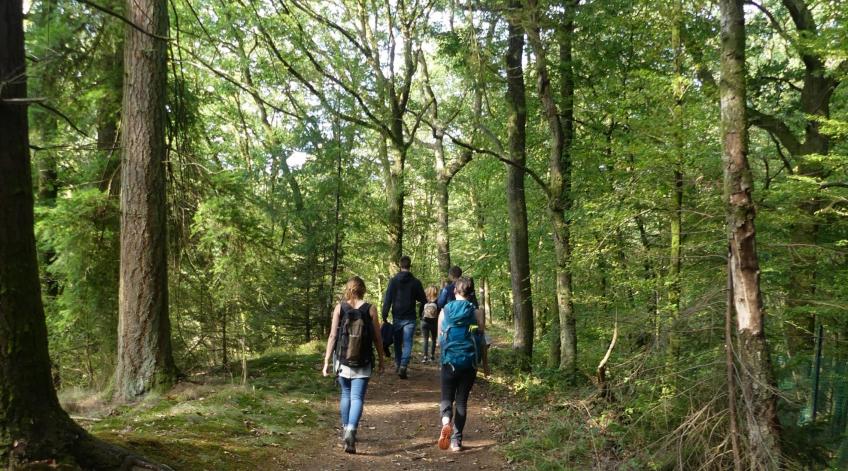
(428, 323)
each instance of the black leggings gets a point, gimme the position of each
(456, 385)
(428, 329)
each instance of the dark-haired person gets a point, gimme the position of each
(459, 370)
(447, 293)
(353, 380)
(402, 294)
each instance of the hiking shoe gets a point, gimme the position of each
(444, 436)
(350, 441)
(455, 445)
(402, 372)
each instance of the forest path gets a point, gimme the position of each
(400, 426)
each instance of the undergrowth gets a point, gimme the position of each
(662, 415)
(222, 424)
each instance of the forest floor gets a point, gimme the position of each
(286, 417)
(401, 424)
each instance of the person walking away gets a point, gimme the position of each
(428, 323)
(459, 358)
(354, 332)
(402, 294)
(447, 293)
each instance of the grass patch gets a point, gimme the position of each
(220, 425)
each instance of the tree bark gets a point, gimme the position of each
(561, 137)
(33, 426)
(445, 172)
(757, 382)
(145, 358)
(730, 370)
(519, 254)
(394, 205)
(676, 209)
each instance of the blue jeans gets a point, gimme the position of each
(404, 331)
(352, 401)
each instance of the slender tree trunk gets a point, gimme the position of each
(108, 115)
(675, 261)
(480, 226)
(561, 129)
(757, 382)
(337, 235)
(487, 303)
(48, 191)
(444, 171)
(47, 127)
(225, 358)
(442, 201)
(730, 370)
(33, 426)
(145, 359)
(519, 254)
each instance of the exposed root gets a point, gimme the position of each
(73, 448)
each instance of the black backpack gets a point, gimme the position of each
(355, 341)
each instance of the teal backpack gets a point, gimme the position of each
(460, 346)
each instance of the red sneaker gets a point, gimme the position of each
(444, 437)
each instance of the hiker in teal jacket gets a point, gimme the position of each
(461, 350)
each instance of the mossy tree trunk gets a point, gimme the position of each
(519, 254)
(33, 426)
(756, 380)
(675, 261)
(561, 128)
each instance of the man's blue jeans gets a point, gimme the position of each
(404, 331)
(352, 401)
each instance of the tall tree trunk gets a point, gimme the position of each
(48, 188)
(337, 234)
(225, 358)
(480, 226)
(757, 382)
(445, 171)
(442, 202)
(675, 261)
(47, 128)
(145, 359)
(394, 204)
(33, 426)
(561, 129)
(519, 254)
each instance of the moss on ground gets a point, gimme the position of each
(219, 425)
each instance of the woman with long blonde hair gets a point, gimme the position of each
(355, 329)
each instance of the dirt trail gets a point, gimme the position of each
(400, 425)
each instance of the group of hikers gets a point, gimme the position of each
(450, 317)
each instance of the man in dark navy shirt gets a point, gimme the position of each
(403, 292)
(447, 294)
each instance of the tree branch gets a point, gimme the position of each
(533, 175)
(777, 128)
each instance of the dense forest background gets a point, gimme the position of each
(567, 155)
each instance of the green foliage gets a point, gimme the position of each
(268, 124)
(82, 320)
